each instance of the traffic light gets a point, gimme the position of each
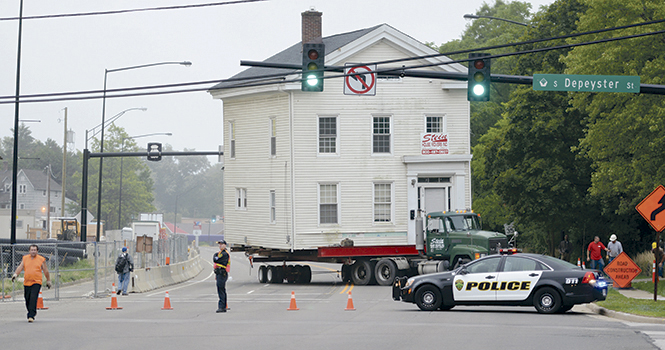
(312, 66)
(213, 219)
(478, 88)
(154, 151)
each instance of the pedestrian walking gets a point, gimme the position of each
(615, 248)
(124, 265)
(34, 265)
(222, 264)
(565, 247)
(593, 254)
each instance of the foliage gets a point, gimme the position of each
(82, 269)
(644, 307)
(645, 261)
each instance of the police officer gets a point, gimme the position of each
(221, 262)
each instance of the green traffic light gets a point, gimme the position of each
(478, 90)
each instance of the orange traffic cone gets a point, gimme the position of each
(40, 302)
(167, 302)
(114, 301)
(583, 266)
(293, 306)
(349, 304)
(578, 263)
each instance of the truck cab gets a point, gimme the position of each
(457, 237)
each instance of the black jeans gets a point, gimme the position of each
(31, 294)
(221, 289)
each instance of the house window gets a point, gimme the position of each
(44, 193)
(382, 202)
(273, 207)
(7, 187)
(434, 124)
(273, 137)
(22, 188)
(21, 206)
(328, 135)
(19, 223)
(328, 209)
(232, 137)
(52, 209)
(56, 194)
(241, 198)
(381, 134)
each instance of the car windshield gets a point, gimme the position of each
(558, 264)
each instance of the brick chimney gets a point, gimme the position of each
(311, 27)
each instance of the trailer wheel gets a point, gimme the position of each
(346, 273)
(362, 272)
(263, 270)
(428, 298)
(274, 274)
(305, 274)
(385, 272)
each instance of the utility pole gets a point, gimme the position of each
(64, 168)
(48, 199)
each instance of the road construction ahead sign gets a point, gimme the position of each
(652, 208)
(622, 270)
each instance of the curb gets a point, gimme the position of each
(622, 315)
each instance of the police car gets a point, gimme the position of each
(512, 278)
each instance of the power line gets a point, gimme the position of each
(115, 12)
(258, 80)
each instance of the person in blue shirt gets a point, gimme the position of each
(221, 263)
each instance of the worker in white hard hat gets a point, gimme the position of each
(615, 248)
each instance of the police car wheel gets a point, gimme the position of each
(547, 301)
(428, 298)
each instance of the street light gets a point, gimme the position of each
(111, 120)
(469, 16)
(122, 149)
(101, 142)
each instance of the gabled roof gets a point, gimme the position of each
(293, 55)
(37, 178)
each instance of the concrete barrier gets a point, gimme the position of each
(150, 278)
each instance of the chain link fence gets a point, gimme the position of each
(91, 263)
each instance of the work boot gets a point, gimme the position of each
(221, 310)
(30, 319)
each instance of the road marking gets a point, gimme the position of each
(351, 285)
(186, 285)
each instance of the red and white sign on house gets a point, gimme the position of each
(433, 143)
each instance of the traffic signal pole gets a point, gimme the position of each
(87, 155)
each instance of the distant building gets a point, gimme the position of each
(32, 194)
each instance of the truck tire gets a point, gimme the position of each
(262, 274)
(345, 273)
(362, 272)
(547, 300)
(428, 298)
(385, 272)
(305, 275)
(274, 274)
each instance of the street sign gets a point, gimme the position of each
(652, 208)
(586, 83)
(622, 270)
(361, 81)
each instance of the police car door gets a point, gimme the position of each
(517, 278)
(473, 282)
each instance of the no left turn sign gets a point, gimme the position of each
(360, 80)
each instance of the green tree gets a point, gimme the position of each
(624, 132)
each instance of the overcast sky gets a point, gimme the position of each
(71, 54)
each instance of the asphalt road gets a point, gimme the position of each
(259, 318)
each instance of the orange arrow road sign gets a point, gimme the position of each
(652, 208)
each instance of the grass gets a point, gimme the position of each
(644, 307)
(648, 286)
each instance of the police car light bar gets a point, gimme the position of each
(509, 251)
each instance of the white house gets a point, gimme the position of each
(309, 169)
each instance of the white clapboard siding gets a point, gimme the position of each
(354, 168)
